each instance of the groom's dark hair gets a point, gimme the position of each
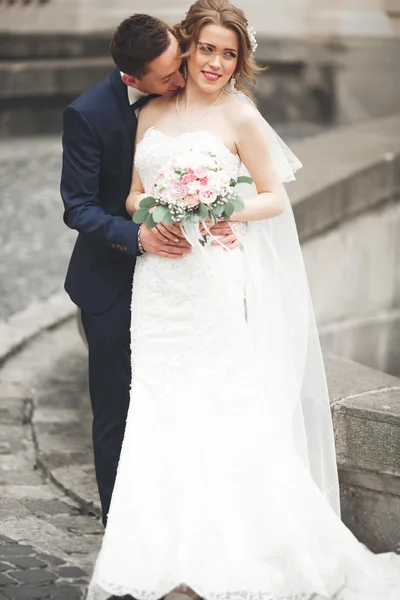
(137, 41)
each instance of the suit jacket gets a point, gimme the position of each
(98, 149)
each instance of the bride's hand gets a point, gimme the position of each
(205, 226)
(226, 236)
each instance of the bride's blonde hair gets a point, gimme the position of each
(220, 12)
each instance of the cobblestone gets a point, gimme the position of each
(34, 576)
(51, 560)
(27, 563)
(28, 592)
(36, 581)
(4, 580)
(68, 572)
(48, 542)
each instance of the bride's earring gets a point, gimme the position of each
(184, 71)
(232, 84)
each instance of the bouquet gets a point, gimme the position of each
(192, 187)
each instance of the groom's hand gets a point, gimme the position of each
(164, 240)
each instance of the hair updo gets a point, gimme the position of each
(220, 12)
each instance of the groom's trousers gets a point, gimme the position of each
(108, 337)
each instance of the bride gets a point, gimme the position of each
(227, 485)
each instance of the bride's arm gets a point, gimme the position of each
(170, 233)
(136, 193)
(252, 145)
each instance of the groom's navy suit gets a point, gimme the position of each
(98, 149)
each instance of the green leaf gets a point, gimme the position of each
(244, 179)
(218, 210)
(229, 210)
(167, 219)
(159, 213)
(150, 222)
(140, 215)
(148, 202)
(203, 210)
(238, 203)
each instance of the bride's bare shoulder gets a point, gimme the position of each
(150, 112)
(245, 120)
(155, 106)
(242, 113)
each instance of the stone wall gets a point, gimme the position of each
(393, 11)
(346, 204)
(366, 417)
(348, 213)
(287, 18)
(329, 62)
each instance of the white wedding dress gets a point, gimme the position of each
(210, 490)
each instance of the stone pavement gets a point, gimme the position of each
(48, 541)
(35, 243)
(26, 574)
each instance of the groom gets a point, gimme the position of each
(98, 152)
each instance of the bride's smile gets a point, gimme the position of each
(215, 58)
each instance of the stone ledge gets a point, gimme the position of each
(30, 322)
(31, 78)
(366, 417)
(65, 45)
(345, 172)
(30, 46)
(366, 414)
(368, 432)
(347, 209)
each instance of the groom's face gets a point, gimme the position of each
(163, 75)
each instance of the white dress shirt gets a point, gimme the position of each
(133, 94)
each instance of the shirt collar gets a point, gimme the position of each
(133, 94)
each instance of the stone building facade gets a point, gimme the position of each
(331, 62)
(393, 11)
(286, 18)
(283, 18)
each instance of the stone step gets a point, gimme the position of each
(24, 79)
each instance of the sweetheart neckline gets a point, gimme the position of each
(175, 137)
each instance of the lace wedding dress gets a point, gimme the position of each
(211, 491)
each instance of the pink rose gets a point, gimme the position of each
(200, 172)
(193, 200)
(190, 175)
(203, 181)
(186, 179)
(178, 190)
(207, 195)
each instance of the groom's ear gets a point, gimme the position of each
(130, 81)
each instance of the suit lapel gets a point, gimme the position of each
(124, 106)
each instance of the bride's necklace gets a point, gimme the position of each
(203, 115)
